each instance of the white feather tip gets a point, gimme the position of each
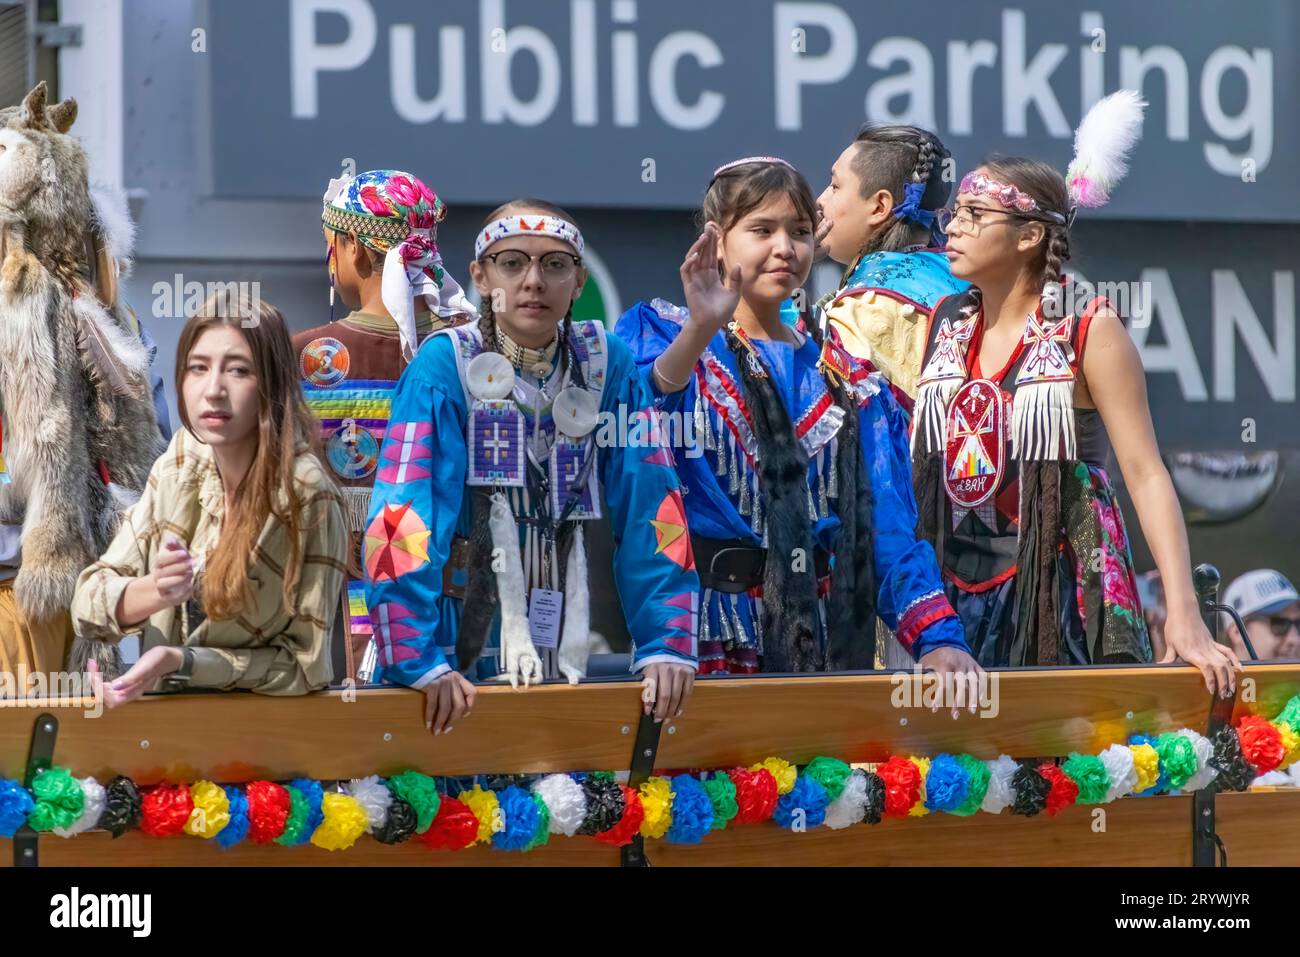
(112, 218)
(1102, 144)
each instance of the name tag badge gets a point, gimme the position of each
(129, 646)
(544, 606)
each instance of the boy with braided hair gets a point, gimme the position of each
(878, 219)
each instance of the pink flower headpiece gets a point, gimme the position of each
(1102, 144)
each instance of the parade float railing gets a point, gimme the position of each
(730, 722)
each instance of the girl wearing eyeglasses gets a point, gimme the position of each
(1022, 392)
(506, 437)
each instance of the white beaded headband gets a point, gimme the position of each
(775, 160)
(526, 225)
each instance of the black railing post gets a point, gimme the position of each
(39, 758)
(1205, 840)
(642, 765)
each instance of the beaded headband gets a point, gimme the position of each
(363, 224)
(1009, 197)
(526, 225)
(774, 160)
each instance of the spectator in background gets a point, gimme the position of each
(156, 388)
(1270, 608)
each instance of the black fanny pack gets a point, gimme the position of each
(734, 566)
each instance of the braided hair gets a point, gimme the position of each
(892, 157)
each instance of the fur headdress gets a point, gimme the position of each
(81, 429)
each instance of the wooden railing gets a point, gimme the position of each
(330, 736)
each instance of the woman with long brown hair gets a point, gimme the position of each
(229, 566)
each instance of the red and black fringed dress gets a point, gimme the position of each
(1012, 491)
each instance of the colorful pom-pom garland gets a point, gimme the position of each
(682, 809)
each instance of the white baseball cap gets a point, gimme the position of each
(1260, 592)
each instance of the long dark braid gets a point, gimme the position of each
(851, 609)
(789, 595)
(927, 470)
(1056, 252)
(481, 595)
(1049, 538)
(1037, 636)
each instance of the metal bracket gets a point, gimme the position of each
(1208, 849)
(1205, 840)
(1207, 846)
(39, 758)
(644, 752)
(48, 34)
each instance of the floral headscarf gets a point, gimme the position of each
(397, 215)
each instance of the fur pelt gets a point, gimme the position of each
(851, 609)
(575, 641)
(73, 375)
(519, 657)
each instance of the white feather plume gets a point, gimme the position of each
(112, 217)
(1102, 144)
